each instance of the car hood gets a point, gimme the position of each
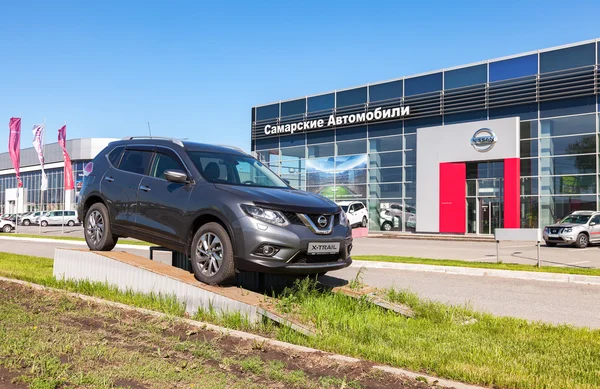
(292, 200)
(565, 225)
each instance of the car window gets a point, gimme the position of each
(359, 207)
(135, 161)
(115, 155)
(163, 162)
(595, 219)
(351, 209)
(71, 213)
(576, 219)
(396, 206)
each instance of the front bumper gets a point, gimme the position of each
(557, 235)
(292, 242)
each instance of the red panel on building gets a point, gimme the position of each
(512, 193)
(453, 204)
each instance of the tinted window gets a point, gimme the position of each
(595, 219)
(383, 129)
(292, 140)
(572, 57)
(387, 91)
(529, 148)
(267, 112)
(529, 130)
(581, 164)
(163, 162)
(582, 144)
(466, 76)
(320, 103)
(411, 126)
(569, 125)
(351, 133)
(270, 143)
(352, 147)
(323, 150)
(393, 174)
(423, 84)
(351, 97)
(514, 68)
(295, 107)
(135, 161)
(389, 143)
(572, 106)
(529, 167)
(115, 156)
(320, 137)
(71, 213)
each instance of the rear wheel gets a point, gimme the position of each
(364, 222)
(71, 223)
(98, 234)
(7, 228)
(26, 222)
(44, 223)
(212, 255)
(387, 226)
(582, 241)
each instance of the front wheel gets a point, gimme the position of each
(7, 228)
(387, 226)
(44, 223)
(71, 223)
(582, 241)
(364, 222)
(212, 255)
(26, 222)
(98, 234)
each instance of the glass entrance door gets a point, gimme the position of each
(491, 214)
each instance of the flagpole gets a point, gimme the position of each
(17, 213)
(42, 179)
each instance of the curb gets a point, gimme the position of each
(248, 336)
(72, 242)
(482, 272)
(458, 238)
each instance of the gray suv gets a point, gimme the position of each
(579, 228)
(220, 206)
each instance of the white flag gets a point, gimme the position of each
(38, 141)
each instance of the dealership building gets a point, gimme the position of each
(510, 142)
(30, 197)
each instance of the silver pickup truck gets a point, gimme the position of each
(579, 228)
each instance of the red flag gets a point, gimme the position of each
(14, 146)
(62, 140)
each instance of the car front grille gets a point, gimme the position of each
(294, 219)
(555, 230)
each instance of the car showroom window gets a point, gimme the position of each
(162, 163)
(135, 161)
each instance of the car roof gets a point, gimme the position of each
(187, 145)
(584, 213)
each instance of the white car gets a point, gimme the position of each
(391, 217)
(68, 218)
(6, 225)
(357, 213)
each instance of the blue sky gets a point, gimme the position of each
(194, 69)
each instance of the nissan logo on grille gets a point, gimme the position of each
(484, 140)
(322, 221)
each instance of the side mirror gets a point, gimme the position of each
(592, 223)
(177, 176)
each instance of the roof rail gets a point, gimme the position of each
(234, 148)
(176, 141)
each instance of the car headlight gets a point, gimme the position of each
(567, 230)
(266, 215)
(343, 218)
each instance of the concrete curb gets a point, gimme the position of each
(247, 336)
(72, 242)
(481, 272)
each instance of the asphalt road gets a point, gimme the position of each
(550, 302)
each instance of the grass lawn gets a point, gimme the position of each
(448, 341)
(121, 241)
(480, 265)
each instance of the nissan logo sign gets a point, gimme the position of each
(322, 220)
(484, 140)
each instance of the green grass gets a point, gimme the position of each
(74, 238)
(454, 342)
(479, 265)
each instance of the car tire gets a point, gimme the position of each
(26, 222)
(550, 244)
(71, 223)
(97, 229)
(387, 226)
(364, 222)
(7, 228)
(44, 223)
(212, 243)
(582, 241)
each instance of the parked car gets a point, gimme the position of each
(61, 217)
(220, 206)
(357, 213)
(392, 216)
(31, 218)
(579, 228)
(6, 225)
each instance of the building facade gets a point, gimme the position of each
(509, 142)
(30, 197)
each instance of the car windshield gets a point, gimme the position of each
(235, 169)
(576, 219)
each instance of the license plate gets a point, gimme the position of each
(324, 248)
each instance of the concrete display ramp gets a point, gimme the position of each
(131, 272)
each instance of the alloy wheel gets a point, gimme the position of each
(95, 227)
(209, 254)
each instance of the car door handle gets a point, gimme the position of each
(145, 188)
(109, 179)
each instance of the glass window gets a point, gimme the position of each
(350, 178)
(351, 97)
(410, 190)
(320, 178)
(320, 137)
(581, 144)
(386, 91)
(524, 111)
(385, 190)
(571, 57)
(567, 126)
(529, 129)
(411, 158)
(472, 75)
(410, 126)
(322, 150)
(270, 143)
(294, 107)
(386, 159)
(352, 147)
(394, 174)
(465, 116)
(529, 212)
(485, 170)
(292, 140)
(574, 106)
(295, 166)
(268, 156)
(135, 161)
(383, 129)
(293, 153)
(555, 208)
(320, 103)
(569, 185)
(410, 173)
(514, 68)
(296, 180)
(390, 143)
(351, 133)
(529, 167)
(267, 112)
(410, 142)
(163, 162)
(423, 84)
(581, 164)
(115, 155)
(529, 148)
(529, 185)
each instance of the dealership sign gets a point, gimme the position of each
(355, 118)
(483, 140)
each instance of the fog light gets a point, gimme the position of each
(267, 250)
